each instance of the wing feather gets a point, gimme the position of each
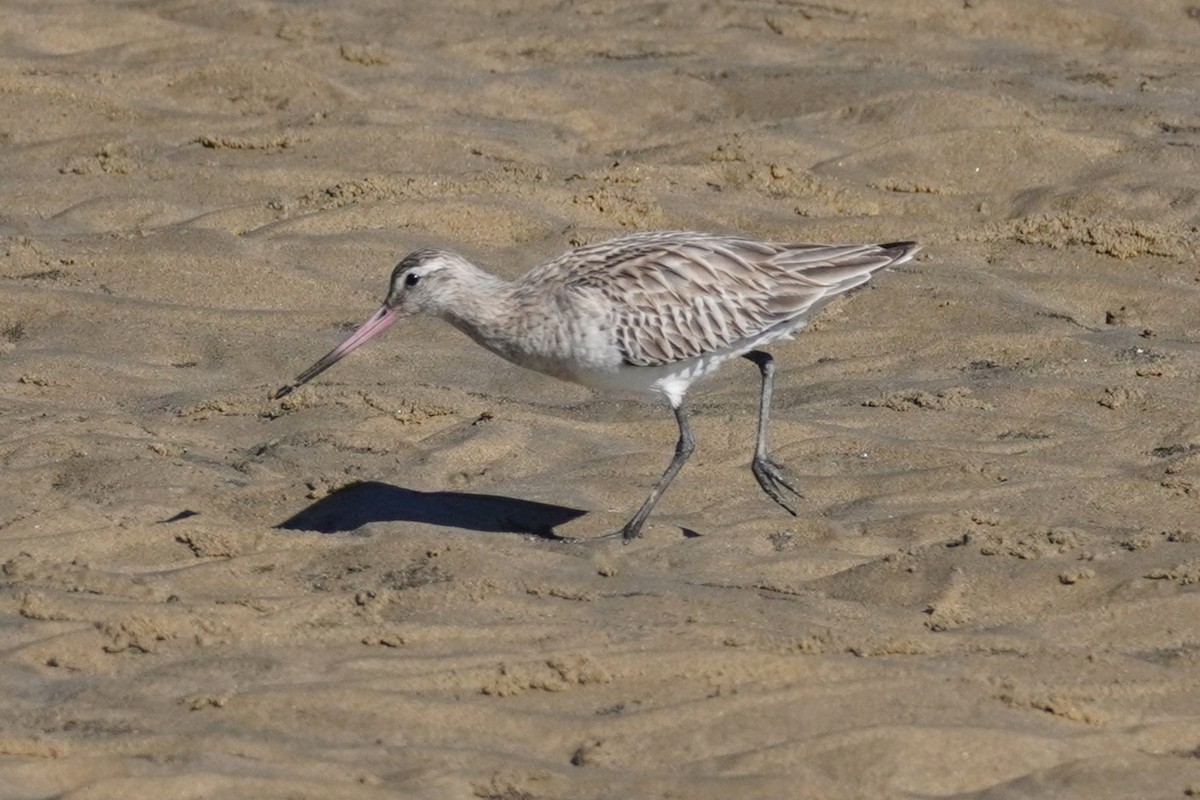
(678, 295)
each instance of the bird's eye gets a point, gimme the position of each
(411, 279)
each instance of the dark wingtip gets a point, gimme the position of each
(282, 391)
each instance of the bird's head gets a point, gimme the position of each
(422, 281)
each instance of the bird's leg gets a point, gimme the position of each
(770, 475)
(683, 449)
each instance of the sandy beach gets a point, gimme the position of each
(992, 589)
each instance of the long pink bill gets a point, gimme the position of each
(379, 322)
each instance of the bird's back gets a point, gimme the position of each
(672, 296)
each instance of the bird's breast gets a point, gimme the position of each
(564, 342)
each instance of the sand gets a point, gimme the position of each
(992, 589)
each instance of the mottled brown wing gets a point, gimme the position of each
(680, 295)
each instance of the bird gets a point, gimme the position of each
(648, 313)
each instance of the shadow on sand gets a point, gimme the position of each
(372, 501)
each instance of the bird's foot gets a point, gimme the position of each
(773, 479)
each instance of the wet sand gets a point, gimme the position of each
(362, 592)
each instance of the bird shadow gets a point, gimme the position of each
(373, 501)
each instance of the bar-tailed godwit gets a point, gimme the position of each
(650, 313)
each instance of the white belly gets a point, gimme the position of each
(670, 381)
